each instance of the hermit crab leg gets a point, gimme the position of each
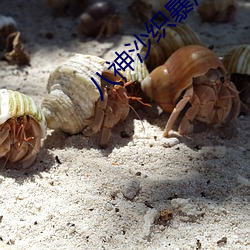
(33, 142)
(107, 125)
(4, 139)
(236, 104)
(179, 107)
(98, 116)
(185, 126)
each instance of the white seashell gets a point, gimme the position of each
(73, 103)
(22, 126)
(70, 104)
(140, 70)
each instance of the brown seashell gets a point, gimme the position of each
(144, 10)
(99, 19)
(217, 11)
(193, 74)
(175, 38)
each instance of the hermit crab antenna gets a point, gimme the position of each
(138, 117)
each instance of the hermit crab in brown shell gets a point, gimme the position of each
(217, 11)
(74, 104)
(100, 19)
(22, 127)
(193, 74)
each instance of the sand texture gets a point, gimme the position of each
(142, 192)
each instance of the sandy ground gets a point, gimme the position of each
(202, 180)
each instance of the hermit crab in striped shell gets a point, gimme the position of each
(237, 61)
(22, 127)
(193, 74)
(73, 103)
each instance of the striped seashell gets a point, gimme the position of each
(138, 72)
(237, 59)
(237, 62)
(22, 126)
(175, 38)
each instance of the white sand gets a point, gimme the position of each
(78, 204)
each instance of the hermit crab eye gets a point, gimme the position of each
(121, 83)
(222, 79)
(211, 47)
(19, 119)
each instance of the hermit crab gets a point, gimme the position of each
(166, 42)
(237, 61)
(193, 74)
(7, 26)
(74, 104)
(217, 11)
(22, 128)
(144, 10)
(100, 19)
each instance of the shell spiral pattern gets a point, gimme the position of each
(237, 59)
(72, 94)
(237, 62)
(175, 38)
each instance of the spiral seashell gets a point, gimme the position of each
(22, 126)
(193, 74)
(139, 71)
(74, 105)
(72, 94)
(237, 59)
(217, 11)
(237, 62)
(175, 38)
